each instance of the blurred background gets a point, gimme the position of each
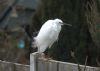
(15, 20)
(21, 19)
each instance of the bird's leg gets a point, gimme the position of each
(39, 54)
(42, 55)
(45, 57)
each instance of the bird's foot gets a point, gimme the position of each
(48, 58)
(45, 57)
(42, 56)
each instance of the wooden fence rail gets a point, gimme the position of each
(38, 64)
(9, 66)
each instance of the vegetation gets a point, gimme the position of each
(9, 50)
(79, 39)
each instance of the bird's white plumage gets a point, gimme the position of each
(48, 34)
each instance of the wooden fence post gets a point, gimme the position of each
(33, 61)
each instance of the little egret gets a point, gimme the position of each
(48, 34)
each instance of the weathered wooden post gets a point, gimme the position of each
(33, 60)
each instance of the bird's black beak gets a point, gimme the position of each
(66, 24)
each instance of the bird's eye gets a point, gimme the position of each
(59, 22)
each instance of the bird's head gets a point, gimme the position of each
(60, 22)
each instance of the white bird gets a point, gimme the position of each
(48, 34)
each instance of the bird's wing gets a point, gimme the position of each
(46, 29)
(44, 34)
(48, 34)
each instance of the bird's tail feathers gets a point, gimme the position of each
(34, 42)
